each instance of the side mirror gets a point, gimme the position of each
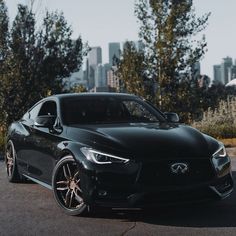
(45, 121)
(172, 117)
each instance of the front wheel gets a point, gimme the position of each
(66, 187)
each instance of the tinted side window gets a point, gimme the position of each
(137, 110)
(48, 108)
(33, 113)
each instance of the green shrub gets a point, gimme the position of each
(221, 122)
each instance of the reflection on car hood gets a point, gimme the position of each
(149, 141)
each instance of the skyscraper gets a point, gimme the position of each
(95, 56)
(139, 45)
(225, 66)
(114, 52)
(217, 74)
(101, 76)
(232, 72)
(94, 59)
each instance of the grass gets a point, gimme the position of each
(220, 122)
(230, 142)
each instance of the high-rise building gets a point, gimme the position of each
(232, 72)
(114, 52)
(95, 56)
(139, 45)
(94, 59)
(217, 74)
(112, 80)
(225, 65)
(100, 76)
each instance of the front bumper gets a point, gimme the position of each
(126, 186)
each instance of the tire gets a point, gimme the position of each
(66, 187)
(11, 164)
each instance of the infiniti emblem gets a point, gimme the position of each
(179, 168)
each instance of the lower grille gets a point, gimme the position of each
(176, 197)
(159, 173)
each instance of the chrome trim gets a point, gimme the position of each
(179, 168)
(38, 182)
(222, 195)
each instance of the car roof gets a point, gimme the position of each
(88, 94)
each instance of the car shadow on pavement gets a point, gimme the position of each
(208, 214)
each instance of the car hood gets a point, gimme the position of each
(149, 141)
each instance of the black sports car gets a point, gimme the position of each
(114, 150)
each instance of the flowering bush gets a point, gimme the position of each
(221, 122)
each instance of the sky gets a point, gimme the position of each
(102, 21)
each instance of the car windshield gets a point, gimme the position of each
(93, 110)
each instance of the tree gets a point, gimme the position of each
(131, 71)
(79, 89)
(36, 61)
(169, 29)
(60, 54)
(4, 21)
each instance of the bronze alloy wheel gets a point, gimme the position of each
(11, 165)
(66, 187)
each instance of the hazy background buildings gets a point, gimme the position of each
(100, 77)
(97, 75)
(225, 72)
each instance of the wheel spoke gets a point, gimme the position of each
(76, 175)
(62, 182)
(9, 170)
(71, 198)
(67, 198)
(69, 172)
(78, 198)
(8, 156)
(65, 173)
(63, 187)
(9, 163)
(78, 188)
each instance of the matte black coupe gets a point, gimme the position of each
(114, 150)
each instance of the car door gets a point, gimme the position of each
(43, 142)
(24, 142)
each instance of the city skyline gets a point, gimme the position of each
(114, 21)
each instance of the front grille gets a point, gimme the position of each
(160, 174)
(176, 197)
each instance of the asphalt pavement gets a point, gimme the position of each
(29, 209)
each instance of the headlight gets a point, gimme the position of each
(221, 152)
(101, 158)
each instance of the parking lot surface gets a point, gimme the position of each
(29, 209)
